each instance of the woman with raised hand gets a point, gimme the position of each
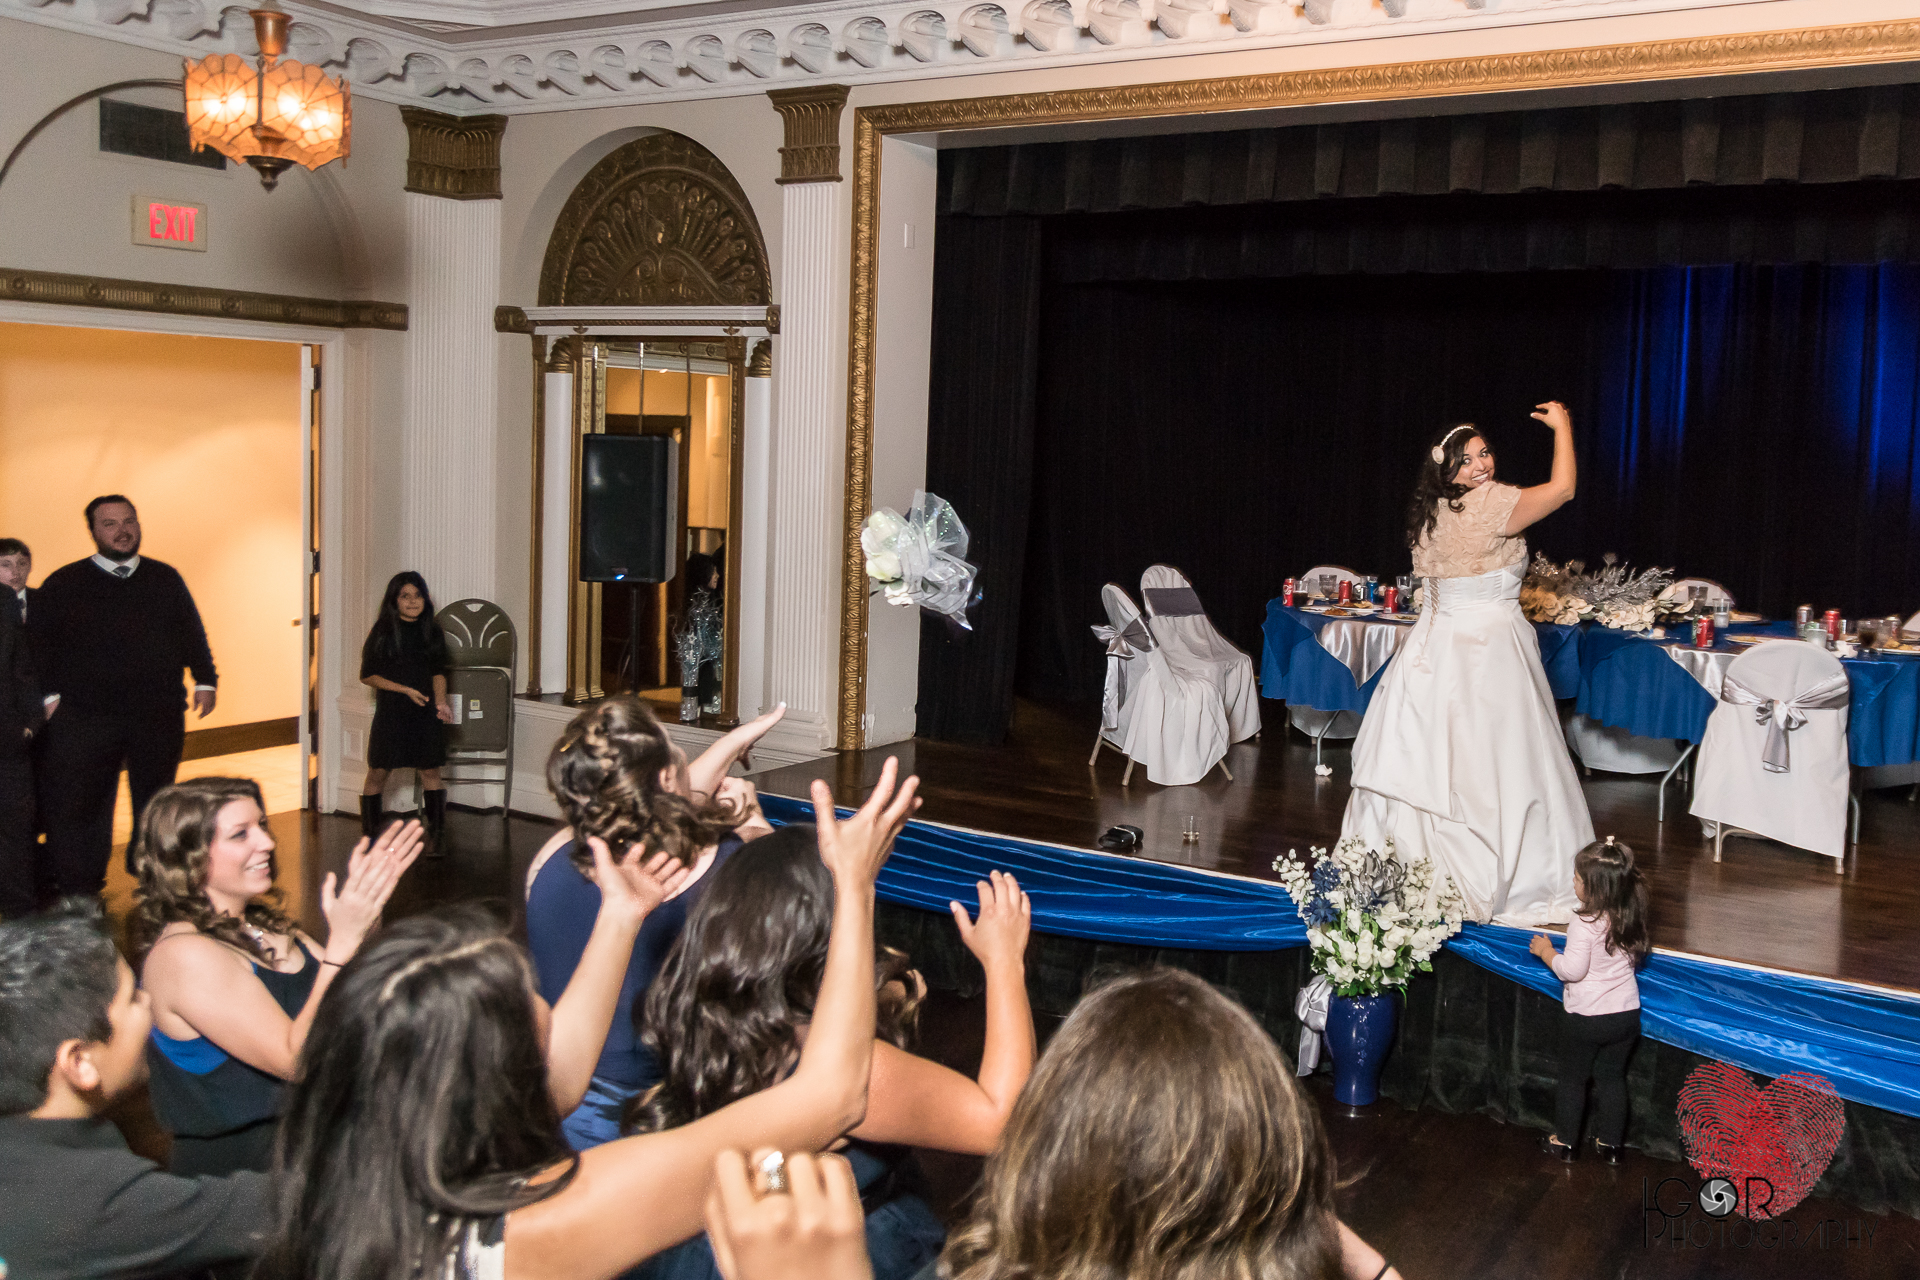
(234, 982)
(422, 1141)
(734, 1003)
(618, 777)
(1162, 1137)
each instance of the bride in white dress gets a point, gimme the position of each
(1460, 755)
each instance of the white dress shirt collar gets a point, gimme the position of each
(113, 566)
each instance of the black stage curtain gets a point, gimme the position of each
(980, 434)
(1468, 1041)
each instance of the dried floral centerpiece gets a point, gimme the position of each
(1614, 595)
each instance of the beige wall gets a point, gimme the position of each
(204, 435)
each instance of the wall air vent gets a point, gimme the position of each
(129, 129)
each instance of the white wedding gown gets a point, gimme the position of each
(1460, 756)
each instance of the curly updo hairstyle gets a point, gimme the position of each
(176, 835)
(605, 774)
(1435, 484)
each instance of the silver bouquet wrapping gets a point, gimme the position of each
(920, 558)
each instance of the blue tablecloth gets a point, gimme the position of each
(1294, 668)
(1630, 682)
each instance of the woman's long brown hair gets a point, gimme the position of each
(176, 833)
(1162, 1137)
(604, 774)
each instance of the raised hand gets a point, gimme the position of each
(855, 849)
(1554, 414)
(373, 869)
(634, 885)
(814, 1230)
(999, 936)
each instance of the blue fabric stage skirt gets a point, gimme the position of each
(1866, 1041)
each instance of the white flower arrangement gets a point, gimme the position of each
(1373, 921)
(1614, 595)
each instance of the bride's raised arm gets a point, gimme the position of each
(1542, 500)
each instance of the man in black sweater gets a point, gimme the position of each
(111, 634)
(74, 1201)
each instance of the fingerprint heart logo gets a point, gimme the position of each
(1771, 1144)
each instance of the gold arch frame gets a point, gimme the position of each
(1653, 61)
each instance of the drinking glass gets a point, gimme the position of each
(1328, 581)
(1405, 583)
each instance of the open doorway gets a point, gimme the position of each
(209, 437)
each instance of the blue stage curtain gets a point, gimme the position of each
(1866, 1041)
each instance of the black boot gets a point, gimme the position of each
(370, 817)
(436, 805)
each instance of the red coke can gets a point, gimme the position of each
(1391, 596)
(1346, 595)
(1831, 620)
(1703, 633)
(1286, 593)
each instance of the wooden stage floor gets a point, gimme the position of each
(1765, 904)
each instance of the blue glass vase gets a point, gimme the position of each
(1359, 1035)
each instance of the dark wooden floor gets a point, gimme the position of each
(1765, 904)
(1446, 1197)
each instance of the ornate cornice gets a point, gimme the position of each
(545, 67)
(1610, 64)
(511, 320)
(195, 300)
(453, 156)
(811, 115)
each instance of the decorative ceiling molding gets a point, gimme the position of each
(472, 57)
(643, 321)
(196, 300)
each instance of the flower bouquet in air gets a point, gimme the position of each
(1372, 920)
(1614, 595)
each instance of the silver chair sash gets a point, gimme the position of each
(1173, 602)
(1783, 717)
(1122, 644)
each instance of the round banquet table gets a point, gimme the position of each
(1649, 688)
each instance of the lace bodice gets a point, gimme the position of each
(1468, 542)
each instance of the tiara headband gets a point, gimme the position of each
(1440, 450)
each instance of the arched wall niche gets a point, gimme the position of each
(658, 221)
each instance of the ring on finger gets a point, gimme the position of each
(773, 1167)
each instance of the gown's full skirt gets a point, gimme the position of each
(1460, 757)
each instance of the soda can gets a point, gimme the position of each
(1803, 615)
(1346, 594)
(1392, 595)
(1703, 633)
(1831, 620)
(1286, 593)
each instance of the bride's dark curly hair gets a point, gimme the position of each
(176, 834)
(1435, 484)
(723, 1017)
(605, 775)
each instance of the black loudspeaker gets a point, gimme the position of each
(629, 508)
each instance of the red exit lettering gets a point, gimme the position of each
(171, 222)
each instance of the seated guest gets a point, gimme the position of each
(617, 777)
(732, 1005)
(421, 1138)
(1162, 1135)
(234, 982)
(74, 1202)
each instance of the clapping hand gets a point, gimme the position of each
(814, 1230)
(855, 848)
(634, 885)
(1554, 414)
(999, 936)
(373, 869)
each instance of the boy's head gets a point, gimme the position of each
(16, 562)
(73, 1026)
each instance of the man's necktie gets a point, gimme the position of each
(123, 571)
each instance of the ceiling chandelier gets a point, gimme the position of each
(269, 114)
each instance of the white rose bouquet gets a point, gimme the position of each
(1372, 920)
(920, 558)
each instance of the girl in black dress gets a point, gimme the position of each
(405, 660)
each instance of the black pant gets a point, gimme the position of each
(17, 896)
(1594, 1045)
(80, 765)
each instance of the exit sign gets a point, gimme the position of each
(169, 224)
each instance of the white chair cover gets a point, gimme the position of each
(1715, 592)
(1911, 624)
(1774, 759)
(1310, 580)
(1173, 722)
(1191, 642)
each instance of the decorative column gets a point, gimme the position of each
(448, 436)
(556, 514)
(756, 448)
(809, 426)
